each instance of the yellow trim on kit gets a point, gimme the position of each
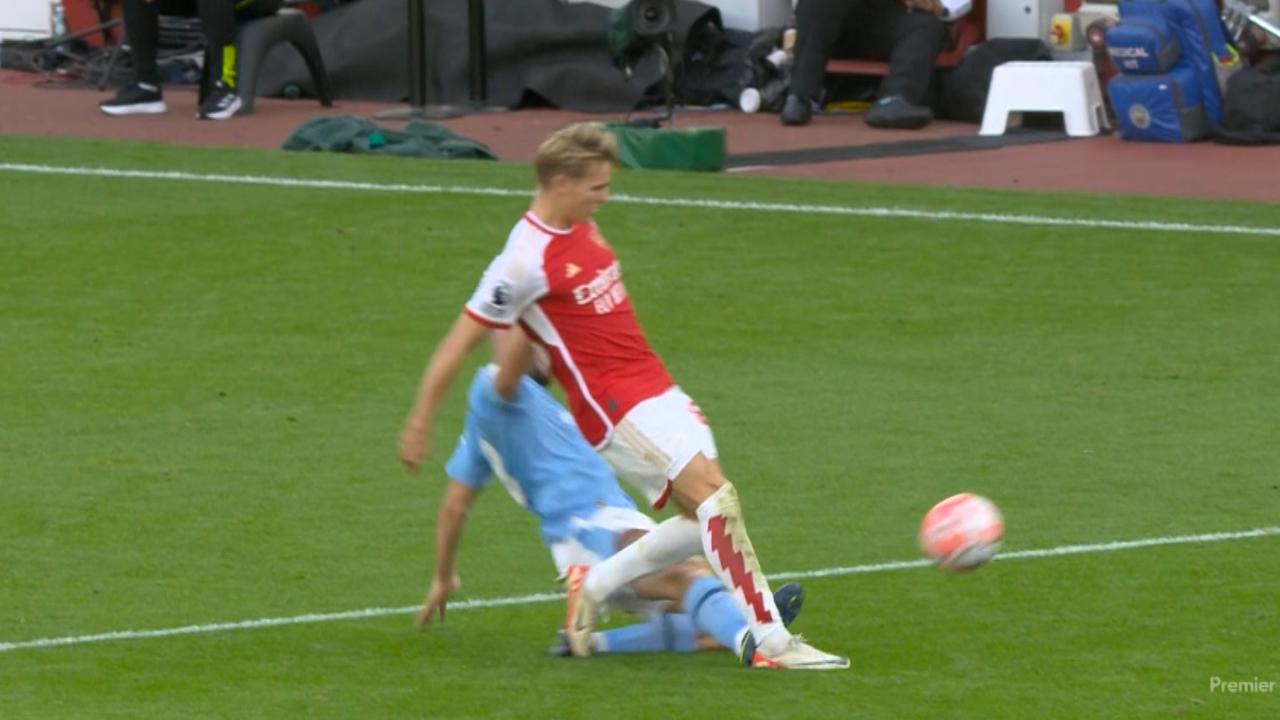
(229, 66)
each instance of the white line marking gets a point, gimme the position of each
(1044, 552)
(552, 597)
(878, 212)
(309, 618)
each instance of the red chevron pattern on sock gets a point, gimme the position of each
(732, 562)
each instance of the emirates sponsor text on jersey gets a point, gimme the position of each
(605, 291)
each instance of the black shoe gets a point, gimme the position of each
(135, 99)
(790, 599)
(220, 104)
(895, 112)
(796, 110)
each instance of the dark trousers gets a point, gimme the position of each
(218, 20)
(870, 29)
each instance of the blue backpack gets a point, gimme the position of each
(1202, 42)
(1165, 108)
(1143, 44)
(1214, 57)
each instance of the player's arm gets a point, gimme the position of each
(512, 282)
(415, 439)
(514, 358)
(450, 522)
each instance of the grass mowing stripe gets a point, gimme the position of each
(1059, 551)
(876, 212)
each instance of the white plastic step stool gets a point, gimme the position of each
(1070, 88)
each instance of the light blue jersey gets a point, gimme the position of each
(535, 450)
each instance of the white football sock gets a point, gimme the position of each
(729, 551)
(674, 540)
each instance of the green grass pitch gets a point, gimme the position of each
(201, 386)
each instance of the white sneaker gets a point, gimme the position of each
(580, 613)
(799, 655)
(135, 99)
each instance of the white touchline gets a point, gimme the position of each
(552, 597)
(880, 212)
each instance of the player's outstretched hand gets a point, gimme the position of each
(415, 446)
(437, 600)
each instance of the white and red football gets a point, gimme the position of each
(962, 532)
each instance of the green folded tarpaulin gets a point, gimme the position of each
(346, 133)
(696, 148)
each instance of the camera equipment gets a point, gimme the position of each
(641, 27)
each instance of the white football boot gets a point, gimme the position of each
(797, 655)
(580, 613)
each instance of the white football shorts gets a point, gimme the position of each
(656, 441)
(595, 538)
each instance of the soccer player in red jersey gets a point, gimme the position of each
(558, 279)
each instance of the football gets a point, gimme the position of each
(962, 532)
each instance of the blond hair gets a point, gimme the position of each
(573, 149)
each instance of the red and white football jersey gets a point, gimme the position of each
(565, 288)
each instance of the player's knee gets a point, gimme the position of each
(690, 570)
(683, 576)
(669, 584)
(627, 537)
(699, 480)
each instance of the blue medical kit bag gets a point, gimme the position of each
(1167, 107)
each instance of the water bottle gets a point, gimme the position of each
(769, 93)
(59, 15)
(779, 59)
(773, 93)
(769, 97)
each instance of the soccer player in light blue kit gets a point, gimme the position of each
(533, 447)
